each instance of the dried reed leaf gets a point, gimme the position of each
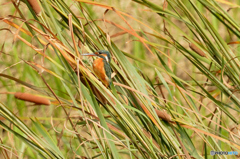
(233, 42)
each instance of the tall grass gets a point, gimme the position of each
(175, 80)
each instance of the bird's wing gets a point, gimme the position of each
(108, 71)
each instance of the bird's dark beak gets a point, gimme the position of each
(90, 54)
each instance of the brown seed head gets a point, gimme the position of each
(197, 50)
(32, 98)
(163, 115)
(35, 6)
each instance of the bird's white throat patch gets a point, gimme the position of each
(106, 57)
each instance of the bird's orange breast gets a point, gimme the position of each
(98, 68)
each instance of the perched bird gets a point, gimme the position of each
(101, 66)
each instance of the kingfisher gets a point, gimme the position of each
(101, 66)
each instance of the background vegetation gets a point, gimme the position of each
(175, 91)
